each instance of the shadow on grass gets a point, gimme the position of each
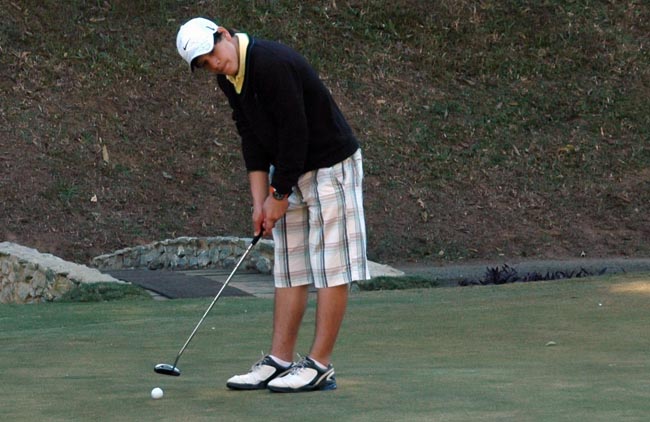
(104, 292)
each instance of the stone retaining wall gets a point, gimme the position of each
(190, 253)
(28, 276)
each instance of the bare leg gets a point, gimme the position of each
(330, 310)
(289, 308)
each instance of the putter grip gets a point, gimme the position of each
(257, 238)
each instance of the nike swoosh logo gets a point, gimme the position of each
(185, 48)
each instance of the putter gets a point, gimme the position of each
(167, 369)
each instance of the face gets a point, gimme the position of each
(224, 58)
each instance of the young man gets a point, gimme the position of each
(305, 173)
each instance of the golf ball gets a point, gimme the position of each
(156, 393)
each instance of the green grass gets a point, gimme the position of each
(450, 354)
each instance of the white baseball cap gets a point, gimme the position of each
(195, 37)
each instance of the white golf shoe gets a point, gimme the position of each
(258, 377)
(304, 376)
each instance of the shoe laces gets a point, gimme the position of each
(258, 364)
(299, 366)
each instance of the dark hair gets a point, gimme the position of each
(217, 35)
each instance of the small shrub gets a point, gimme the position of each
(397, 283)
(507, 274)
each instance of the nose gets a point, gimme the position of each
(214, 65)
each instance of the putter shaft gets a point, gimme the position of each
(189, 339)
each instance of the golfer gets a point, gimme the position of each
(305, 172)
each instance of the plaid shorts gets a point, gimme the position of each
(321, 240)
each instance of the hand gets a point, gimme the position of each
(273, 210)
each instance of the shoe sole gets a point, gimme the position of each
(246, 387)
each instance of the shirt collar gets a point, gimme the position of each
(238, 79)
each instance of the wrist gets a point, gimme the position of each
(277, 195)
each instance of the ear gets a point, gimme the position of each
(224, 33)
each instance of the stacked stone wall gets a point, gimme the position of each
(187, 253)
(28, 276)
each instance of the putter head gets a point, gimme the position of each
(165, 369)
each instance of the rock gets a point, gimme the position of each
(377, 270)
(30, 276)
(264, 265)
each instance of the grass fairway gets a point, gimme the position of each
(452, 354)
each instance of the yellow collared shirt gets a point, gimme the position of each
(238, 79)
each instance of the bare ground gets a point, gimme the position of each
(101, 153)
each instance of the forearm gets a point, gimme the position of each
(259, 184)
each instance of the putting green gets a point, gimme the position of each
(448, 354)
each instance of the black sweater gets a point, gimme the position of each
(286, 116)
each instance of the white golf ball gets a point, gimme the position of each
(156, 393)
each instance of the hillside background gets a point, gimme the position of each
(491, 129)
